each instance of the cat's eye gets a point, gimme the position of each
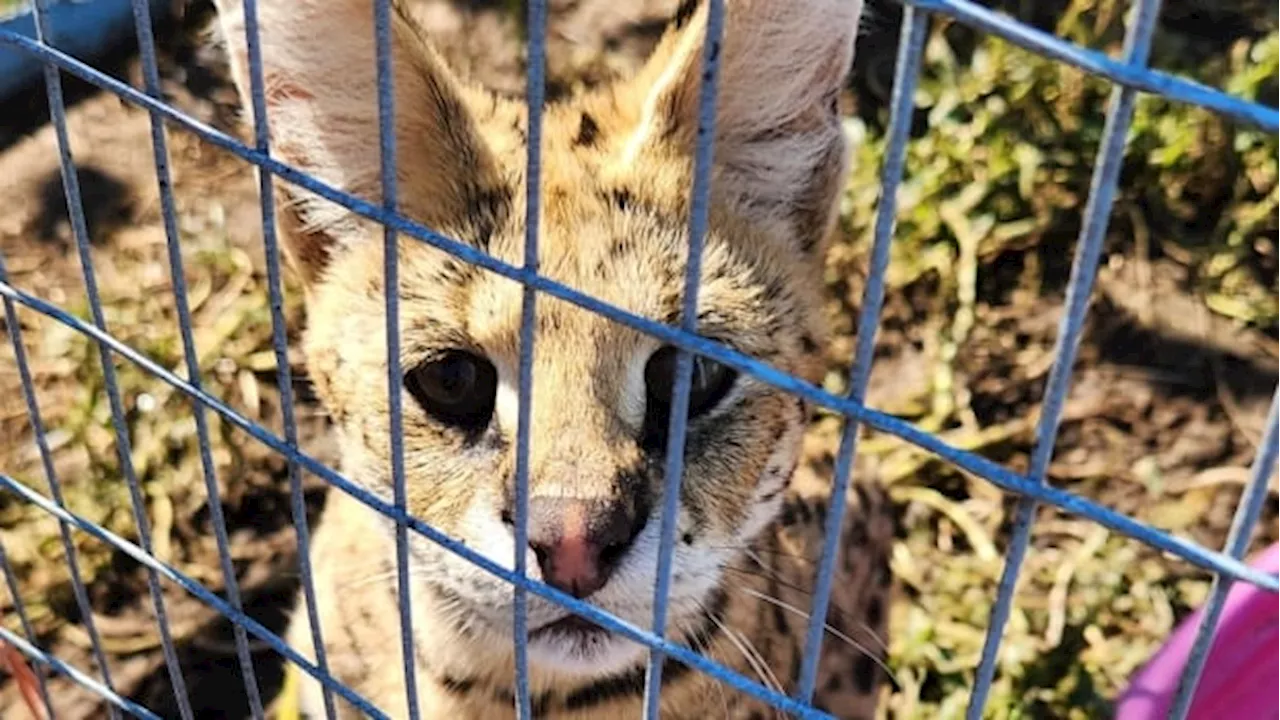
(711, 381)
(457, 388)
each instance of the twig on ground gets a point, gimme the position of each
(13, 663)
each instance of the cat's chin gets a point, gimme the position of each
(576, 647)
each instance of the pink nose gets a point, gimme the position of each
(579, 543)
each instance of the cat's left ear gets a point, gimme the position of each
(780, 151)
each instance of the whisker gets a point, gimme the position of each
(755, 557)
(367, 580)
(767, 551)
(844, 612)
(841, 636)
(383, 576)
(748, 650)
(724, 698)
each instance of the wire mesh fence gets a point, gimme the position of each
(1131, 77)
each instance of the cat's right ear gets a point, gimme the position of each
(320, 80)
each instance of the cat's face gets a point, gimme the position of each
(616, 181)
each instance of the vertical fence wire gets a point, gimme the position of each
(1106, 176)
(915, 25)
(15, 593)
(678, 422)
(75, 212)
(191, 354)
(967, 461)
(280, 342)
(1247, 513)
(55, 487)
(535, 91)
(382, 21)
(71, 555)
(605, 620)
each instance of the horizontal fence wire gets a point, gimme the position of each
(996, 474)
(115, 701)
(146, 559)
(1131, 77)
(1097, 214)
(1137, 77)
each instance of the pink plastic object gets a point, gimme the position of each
(1240, 677)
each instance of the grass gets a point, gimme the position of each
(9, 8)
(990, 210)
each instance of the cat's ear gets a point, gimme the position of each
(319, 74)
(779, 147)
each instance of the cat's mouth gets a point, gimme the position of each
(568, 627)
(575, 644)
(579, 646)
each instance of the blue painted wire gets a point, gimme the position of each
(1106, 177)
(1141, 78)
(75, 211)
(200, 592)
(1242, 525)
(395, 379)
(763, 372)
(280, 342)
(915, 27)
(972, 463)
(51, 476)
(102, 690)
(997, 475)
(588, 611)
(536, 86)
(191, 356)
(20, 607)
(678, 423)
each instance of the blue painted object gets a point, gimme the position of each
(84, 29)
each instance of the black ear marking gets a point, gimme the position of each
(588, 132)
(685, 11)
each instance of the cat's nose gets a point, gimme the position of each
(579, 543)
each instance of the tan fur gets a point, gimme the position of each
(616, 176)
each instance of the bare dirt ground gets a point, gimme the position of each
(1164, 415)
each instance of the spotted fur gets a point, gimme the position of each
(615, 181)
